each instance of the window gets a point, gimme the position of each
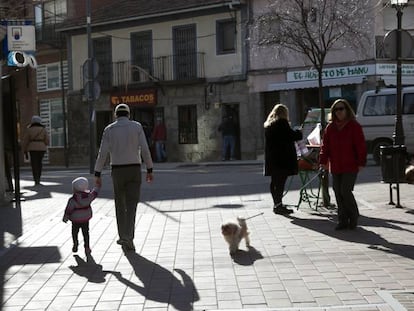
(50, 12)
(103, 55)
(185, 52)
(51, 113)
(381, 105)
(408, 103)
(226, 36)
(187, 124)
(379, 47)
(48, 76)
(47, 15)
(141, 55)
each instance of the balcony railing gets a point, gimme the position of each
(46, 33)
(174, 68)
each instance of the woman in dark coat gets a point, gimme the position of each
(280, 154)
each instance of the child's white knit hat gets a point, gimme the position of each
(80, 184)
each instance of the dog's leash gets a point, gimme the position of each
(254, 215)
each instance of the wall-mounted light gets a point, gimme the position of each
(21, 59)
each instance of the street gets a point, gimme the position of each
(182, 262)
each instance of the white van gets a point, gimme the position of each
(376, 114)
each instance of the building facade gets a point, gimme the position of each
(187, 63)
(283, 75)
(184, 63)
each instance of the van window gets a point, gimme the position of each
(379, 105)
(408, 103)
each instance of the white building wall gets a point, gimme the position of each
(215, 65)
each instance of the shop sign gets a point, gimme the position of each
(391, 69)
(331, 73)
(135, 98)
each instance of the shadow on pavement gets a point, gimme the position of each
(361, 234)
(247, 258)
(89, 269)
(20, 256)
(158, 283)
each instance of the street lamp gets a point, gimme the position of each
(397, 152)
(398, 131)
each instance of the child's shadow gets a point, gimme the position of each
(89, 269)
(247, 258)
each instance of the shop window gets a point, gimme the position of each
(187, 124)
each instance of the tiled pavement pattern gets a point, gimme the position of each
(182, 263)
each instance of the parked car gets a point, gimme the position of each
(376, 114)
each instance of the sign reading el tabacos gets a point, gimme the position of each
(146, 97)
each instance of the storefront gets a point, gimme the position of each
(299, 88)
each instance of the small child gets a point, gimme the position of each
(79, 211)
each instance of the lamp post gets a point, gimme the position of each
(398, 150)
(398, 131)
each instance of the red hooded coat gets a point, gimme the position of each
(344, 149)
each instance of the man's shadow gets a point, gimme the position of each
(361, 234)
(159, 284)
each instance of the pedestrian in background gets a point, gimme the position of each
(125, 142)
(344, 153)
(280, 154)
(35, 142)
(228, 131)
(159, 137)
(78, 210)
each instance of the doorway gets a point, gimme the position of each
(145, 116)
(232, 111)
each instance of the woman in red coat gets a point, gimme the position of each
(344, 153)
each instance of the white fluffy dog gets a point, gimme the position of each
(233, 232)
(409, 174)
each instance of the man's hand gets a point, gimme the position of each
(149, 178)
(98, 182)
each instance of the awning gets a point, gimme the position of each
(313, 83)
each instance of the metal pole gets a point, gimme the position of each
(2, 168)
(62, 87)
(399, 131)
(90, 86)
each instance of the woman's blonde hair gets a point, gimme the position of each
(350, 115)
(279, 111)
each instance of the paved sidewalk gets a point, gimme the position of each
(182, 262)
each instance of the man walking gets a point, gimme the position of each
(124, 140)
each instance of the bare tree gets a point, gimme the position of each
(313, 28)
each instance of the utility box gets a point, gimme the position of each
(393, 160)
